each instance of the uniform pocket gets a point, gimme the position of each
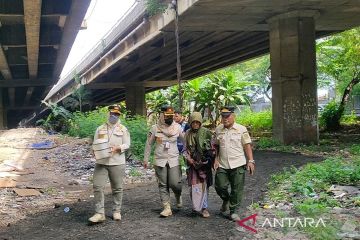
(118, 134)
(102, 134)
(235, 141)
(221, 139)
(117, 138)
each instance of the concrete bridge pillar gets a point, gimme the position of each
(293, 77)
(135, 100)
(3, 117)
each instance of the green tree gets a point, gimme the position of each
(339, 61)
(207, 94)
(256, 71)
(79, 98)
(156, 99)
(214, 90)
(57, 119)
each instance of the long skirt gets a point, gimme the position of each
(198, 189)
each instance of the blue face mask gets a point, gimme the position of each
(113, 119)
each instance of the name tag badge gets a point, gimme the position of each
(167, 145)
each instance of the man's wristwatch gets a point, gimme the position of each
(252, 161)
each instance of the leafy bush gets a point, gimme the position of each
(154, 7)
(255, 121)
(56, 120)
(330, 117)
(316, 178)
(264, 143)
(330, 171)
(355, 149)
(85, 124)
(139, 130)
(349, 119)
(310, 207)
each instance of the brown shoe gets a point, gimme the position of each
(205, 213)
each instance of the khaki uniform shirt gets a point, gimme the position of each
(166, 150)
(231, 142)
(119, 137)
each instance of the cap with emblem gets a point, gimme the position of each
(227, 110)
(114, 109)
(167, 110)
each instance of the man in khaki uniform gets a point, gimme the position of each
(233, 143)
(167, 167)
(112, 167)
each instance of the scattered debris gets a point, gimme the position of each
(42, 145)
(7, 183)
(73, 182)
(67, 209)
(340, 191)
(62, 174)
(26, 192)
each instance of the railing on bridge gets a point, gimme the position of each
(135, 12)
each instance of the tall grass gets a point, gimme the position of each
(84, 124)
(256, 122)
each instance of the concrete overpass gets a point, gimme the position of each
(139, 55)
(35, 39)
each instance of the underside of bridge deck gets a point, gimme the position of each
(215, 34)
(35, 39)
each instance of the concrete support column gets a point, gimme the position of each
(3, 117)
(293, 77)
(135, 100)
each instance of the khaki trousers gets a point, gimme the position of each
(168, 178)
(115, 173)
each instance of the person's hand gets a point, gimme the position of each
(145, 164)
(115, 150)
(216, 164)
(251, 168)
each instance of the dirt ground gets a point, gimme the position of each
(62, 175)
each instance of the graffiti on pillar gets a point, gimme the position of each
(297, 112)
(309, 109)
(292, 112)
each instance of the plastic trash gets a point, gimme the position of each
(67, 209)
(42, 145)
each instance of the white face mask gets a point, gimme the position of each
(113, 119)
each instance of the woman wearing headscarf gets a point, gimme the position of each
(167, 165)
(199, 156)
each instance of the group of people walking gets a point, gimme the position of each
(227, 153)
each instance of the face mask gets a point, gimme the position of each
(169, 121)
(113, 119)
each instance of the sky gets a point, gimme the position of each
(100, 17)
